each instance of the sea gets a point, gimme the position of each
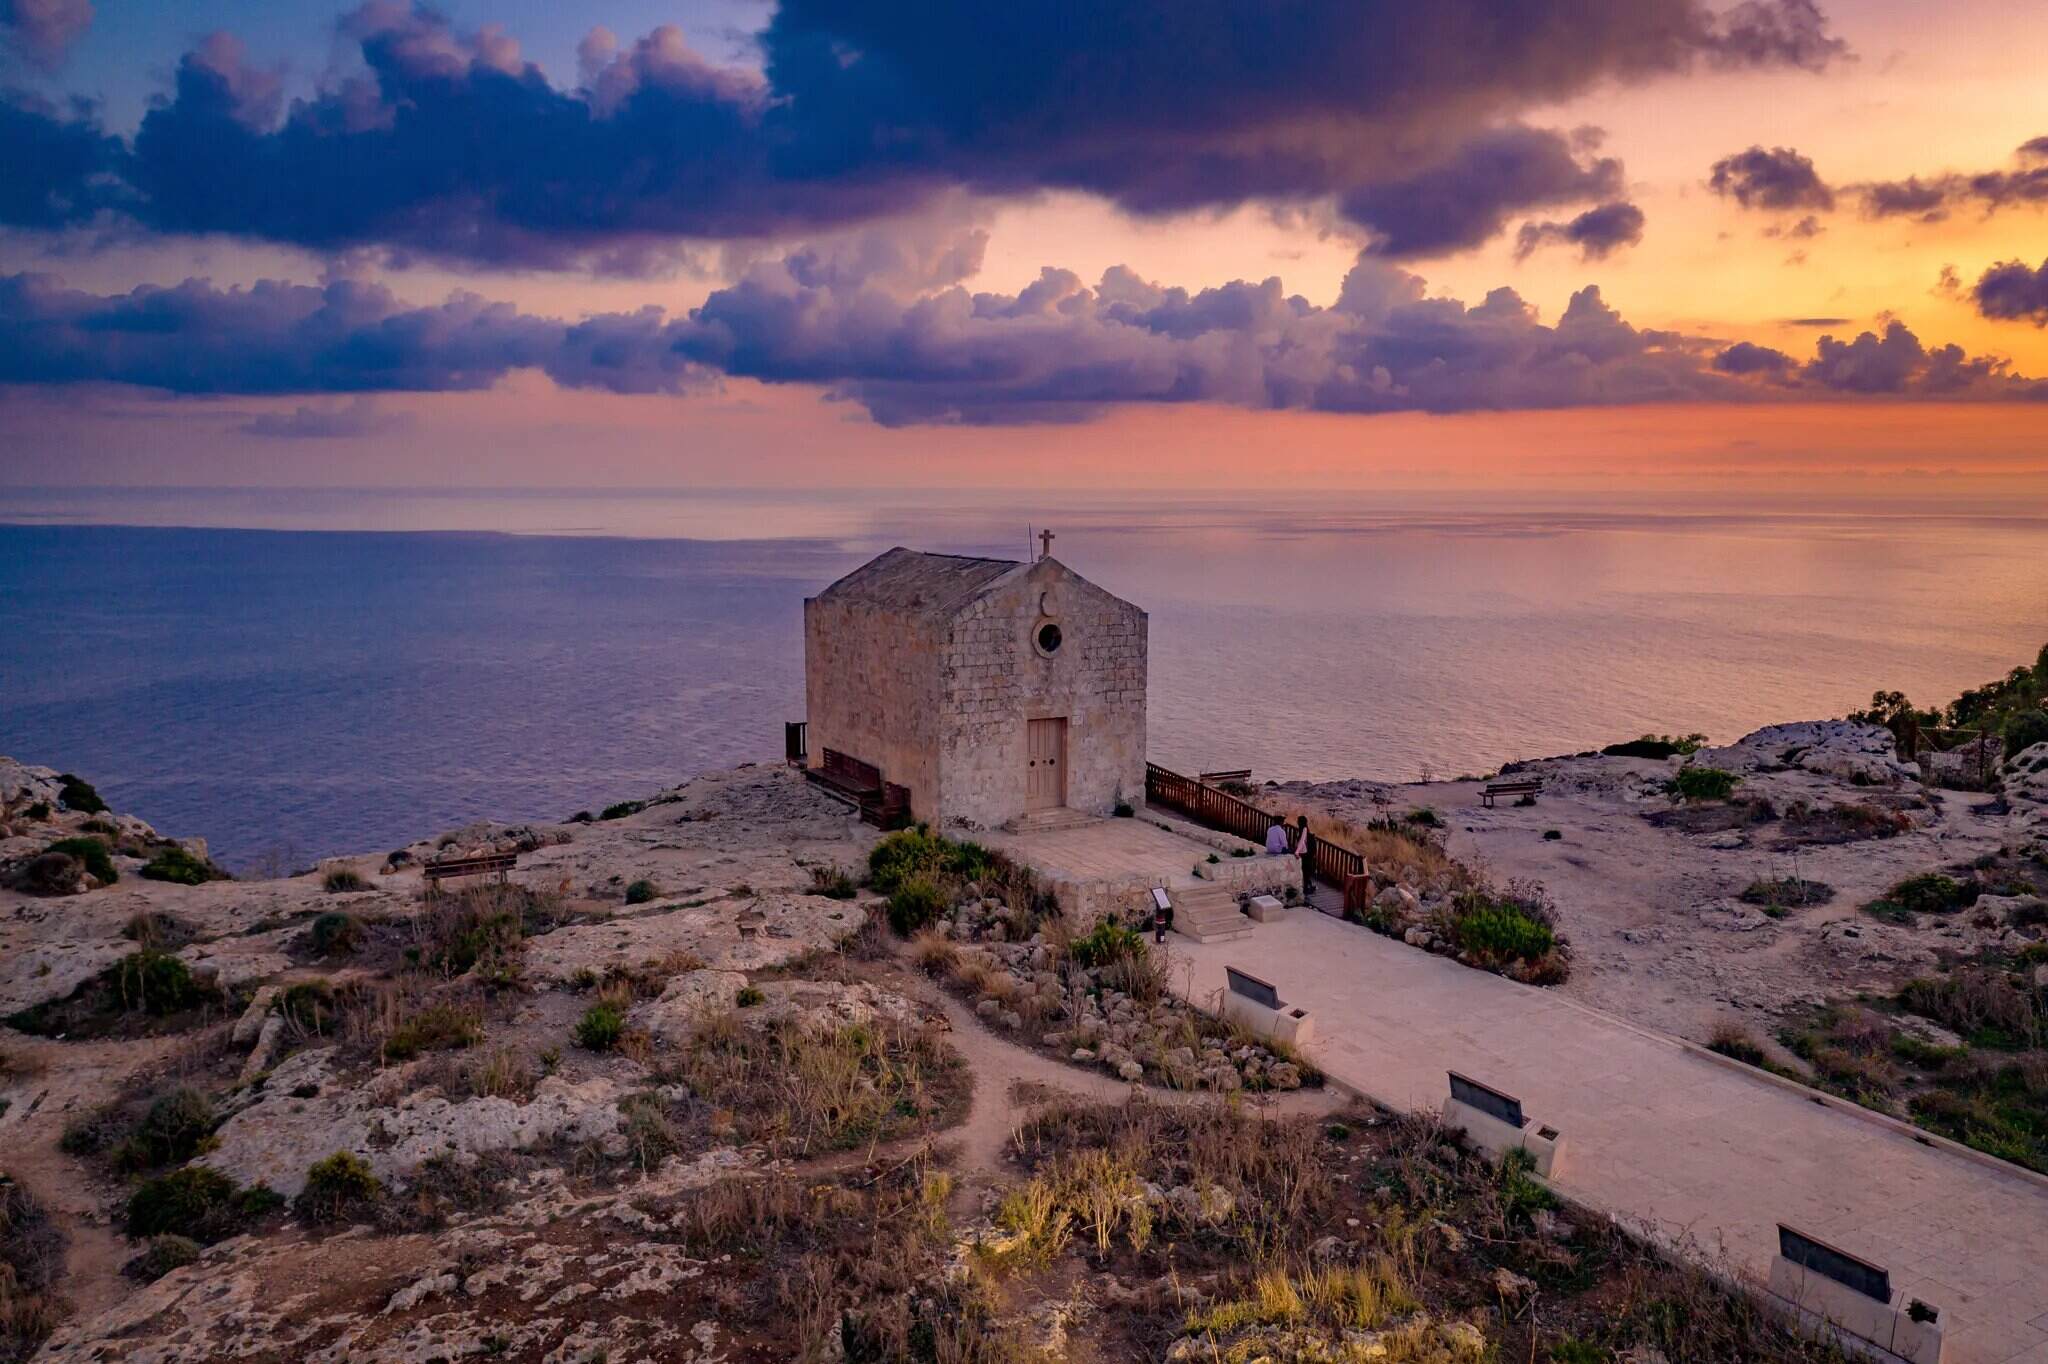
(297, 673)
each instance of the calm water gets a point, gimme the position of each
(318, 687)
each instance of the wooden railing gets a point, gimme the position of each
(1205, 804)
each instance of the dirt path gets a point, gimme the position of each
(73, 1078)
(1012, 1082)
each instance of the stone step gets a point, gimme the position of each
(1051, 821)
(1209, 915)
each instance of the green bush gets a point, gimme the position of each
(600, 1028)
(336, 1187)
(833, 882)
(155, 982)
(1932, 893)
(1495, 931)
(194, 1202)
(1106, 943)
(309, 1006)
(335, 934)
(77, 794)
(1703, 783)
(918, 851)
(641, 891)
(916, 904)
(438, 1027)
(93, 853)
(1656, 746)
(39, 811)
(342, 880)
(169, 1133)
(165, 1253)
(622, 809)
(748, 997)
(1123, 810)
(2023, 729)
(172, 863)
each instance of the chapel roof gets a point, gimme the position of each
(911, 582)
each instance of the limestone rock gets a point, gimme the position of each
(274, 1139)
(688, 1001)
(1845, 749)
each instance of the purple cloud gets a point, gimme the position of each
(351, 420)
(1598, 232)
(450, 144)
(59, 169)
(1056, 350)
(1775, 178)
(42, 31)
(2011, 292)
(1932, 199)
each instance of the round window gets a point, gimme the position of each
(1048, 638)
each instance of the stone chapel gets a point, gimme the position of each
(989, 693)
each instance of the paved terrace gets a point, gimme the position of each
(1660, 1134)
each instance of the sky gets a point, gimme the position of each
(1774, 245)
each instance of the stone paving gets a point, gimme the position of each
(1659, 1134)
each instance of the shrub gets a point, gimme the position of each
(31, 1259)
(622, 809)
(1702, 783)
(169, 1133)
(1732, 1041)
(155, 982)
(833, 882)
(2022, 730)
(1496, 930)
(1932, 893)
(438, 1027)
(165, 1253)
(1656, 746)
(641, 891)
(335, 934)
(76, 793)
(342, 880)
(194, 1202)
(915, 904)
(309, 1006)
(1786, 890)
(903, 855)
(99, 863)
(336, 1187)
(1106, 943)
(1990, 1007)
(748, 997)
(601, 1027)
(173, 863)
(1123, 810)
(1553, 835)
(148, 929)
(38, 812)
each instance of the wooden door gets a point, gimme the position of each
(1045, 775)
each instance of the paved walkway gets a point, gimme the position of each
(1659, 1134)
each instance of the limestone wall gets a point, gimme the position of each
(995, 680)
(871, 687)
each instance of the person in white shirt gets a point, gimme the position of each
(1276, 839)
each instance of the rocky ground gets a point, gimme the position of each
(1649, 890)
(674, 1092)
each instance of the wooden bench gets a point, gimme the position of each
(1531, 788)
(1239, 777)
(484, 864)
(859, 784)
